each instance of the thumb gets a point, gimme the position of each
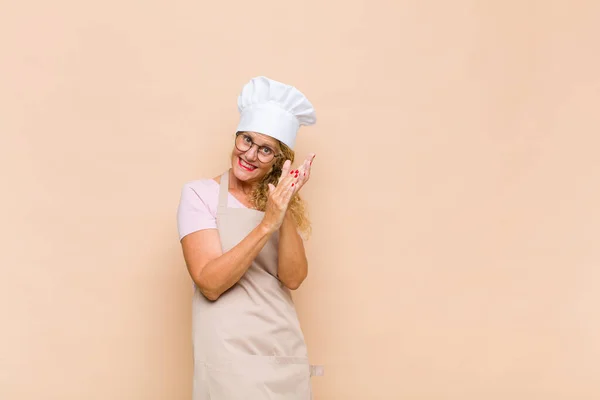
(271, 188)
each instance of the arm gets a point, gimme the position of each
(292, 265)
(214, 271)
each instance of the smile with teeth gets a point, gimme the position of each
(245, 165)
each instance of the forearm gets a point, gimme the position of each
(292, 265)
(222, 273)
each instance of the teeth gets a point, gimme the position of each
(245, 164)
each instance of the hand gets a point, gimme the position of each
(290, 182)
(279, 198)
(302, 173)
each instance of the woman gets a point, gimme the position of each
(240, 235)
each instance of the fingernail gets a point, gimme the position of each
(296, 176)
(292, 184)
(291, 172)
(305, 174)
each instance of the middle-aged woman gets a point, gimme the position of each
(242, 238)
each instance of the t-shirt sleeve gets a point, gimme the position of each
(193, 212)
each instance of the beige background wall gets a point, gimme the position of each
(454, 194)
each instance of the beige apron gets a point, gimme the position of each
(248, 344)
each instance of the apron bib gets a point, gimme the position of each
(248, 344)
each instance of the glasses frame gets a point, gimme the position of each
(252, 144)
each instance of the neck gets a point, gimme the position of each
(241, 186)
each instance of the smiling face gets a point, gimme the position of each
(253, 156)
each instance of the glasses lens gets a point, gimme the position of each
(243, 142)
(265, 157)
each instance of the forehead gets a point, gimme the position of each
(262, 140)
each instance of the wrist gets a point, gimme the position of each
(266, 228)
(288, 216)
(288, 219)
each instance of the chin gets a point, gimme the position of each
(240, 175)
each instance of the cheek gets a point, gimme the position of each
(235, 153)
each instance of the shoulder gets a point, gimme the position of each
(197, 209)
(199, 191)
(201, 185)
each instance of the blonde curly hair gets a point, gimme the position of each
(297, 206)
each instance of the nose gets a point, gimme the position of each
(252, 153)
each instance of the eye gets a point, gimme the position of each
(266, 150)
(247, 139)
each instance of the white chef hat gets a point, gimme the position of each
(274, 109)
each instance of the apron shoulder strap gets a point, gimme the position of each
(224, 190)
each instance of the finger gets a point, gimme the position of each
(305, 169)
(306, 164)
(285, 169)
(307, 172)
(289, 183)
(302, 175)
(271, 188)
(286, 180)
(276, 194)
(287, 195)
(295, 190)
(279, 189)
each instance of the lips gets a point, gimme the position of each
(245, 166)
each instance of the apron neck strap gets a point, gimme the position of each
(224, 189)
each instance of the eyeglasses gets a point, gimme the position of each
(244, 143)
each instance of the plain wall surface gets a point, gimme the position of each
(454, 195)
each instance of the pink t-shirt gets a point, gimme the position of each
(198, 206)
